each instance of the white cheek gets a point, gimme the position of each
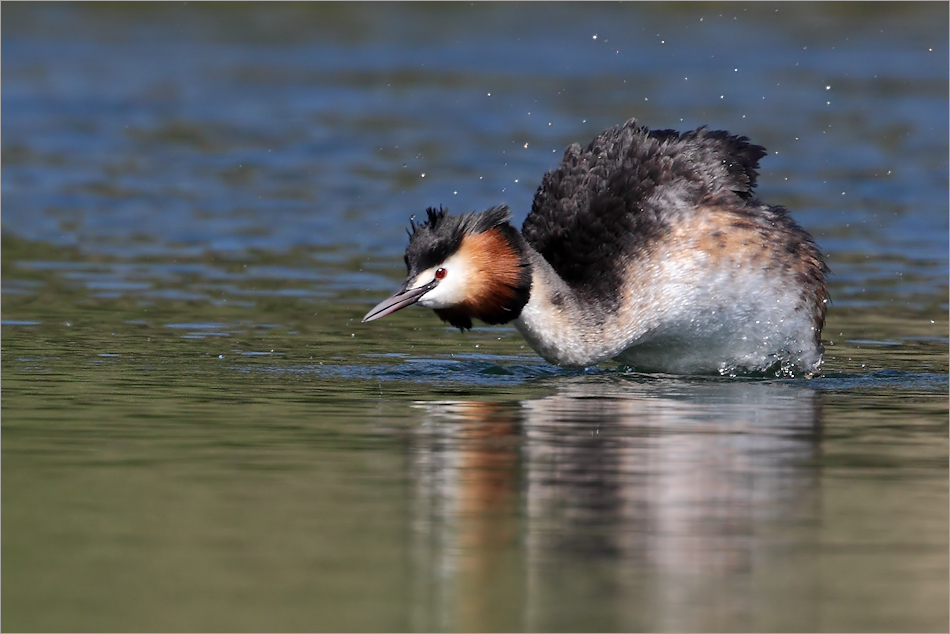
(451, 289)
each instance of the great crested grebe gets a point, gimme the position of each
(646, 247)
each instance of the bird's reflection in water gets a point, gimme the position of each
(612, 504)
(468, 523)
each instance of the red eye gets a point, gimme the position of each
(440, 273)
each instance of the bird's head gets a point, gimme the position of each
(473, 265)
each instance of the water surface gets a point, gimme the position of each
(201, 202)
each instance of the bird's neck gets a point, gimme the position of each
(559, 324)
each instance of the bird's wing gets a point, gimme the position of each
(607, 201)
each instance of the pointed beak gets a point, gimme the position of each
(400, 299)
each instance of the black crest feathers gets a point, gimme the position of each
(498, 274)
(441, 235)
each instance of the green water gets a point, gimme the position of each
(277, 467)
(200, 202)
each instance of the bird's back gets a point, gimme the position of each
(671, 262)
(605, 203)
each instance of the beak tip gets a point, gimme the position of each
(397, 301)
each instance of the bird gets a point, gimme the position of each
(645, 247)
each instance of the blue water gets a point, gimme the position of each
(201, 201)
